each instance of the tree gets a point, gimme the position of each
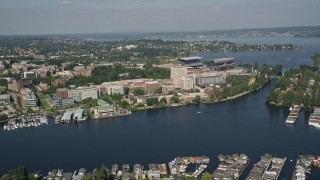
(87, 178)
(196, 99)
(163, 100)
(102, 173)
(18, 173)
(152, 101)
(158, 91)
(138, 91)
(3, 117)
(124, 104)
(206, 176)
(174, 99)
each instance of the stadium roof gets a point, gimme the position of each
(222, 60)
(190, 58)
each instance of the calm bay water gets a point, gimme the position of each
(244, 125)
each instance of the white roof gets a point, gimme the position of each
(190, 58)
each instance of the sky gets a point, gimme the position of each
(33, 17)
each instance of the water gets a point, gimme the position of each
(287, 58)
(244, 125)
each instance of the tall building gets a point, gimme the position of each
(177, 73)
(28, 99)
(187, 83)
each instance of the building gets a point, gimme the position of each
(194, 64)
(210, 79)
(115, 89)
(194, 61)
(15, 85)
(187, 83)
(222, 64)
(60, 102)
(82, 93)
(62, 92)
(2, 68)
(177, 72)
(30, 74)
(104, 111)
(167, 88)
(58, 82)
(28, 99)
(4, 98)
(44, 86)
(151, 86)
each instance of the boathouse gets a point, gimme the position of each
(66, 118)
(78, 114)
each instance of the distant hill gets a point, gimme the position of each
(298, 32)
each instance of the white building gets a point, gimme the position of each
(210, 79)
(177, 73)
(30, 74)
(82, 93)
(187, 83)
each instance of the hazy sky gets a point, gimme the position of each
(92, 16)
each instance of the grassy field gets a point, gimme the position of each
(43, 100)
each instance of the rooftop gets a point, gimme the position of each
(190, 58)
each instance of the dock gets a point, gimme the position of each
(258, 171)
(293, 116)
(34, 120)
(231, 166)
(274, 171)
(303, 166)
(314, 119)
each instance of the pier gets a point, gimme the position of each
(314, 119)
(293, 116)
(258, 171)
(303, 166)
(274, 171)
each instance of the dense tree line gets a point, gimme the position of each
(111, 73)
(237, 85)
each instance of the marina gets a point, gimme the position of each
(293, 116)
(314, 119)
(231, 166)
(33, 120)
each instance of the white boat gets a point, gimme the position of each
(198, 112)
(5, 127)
